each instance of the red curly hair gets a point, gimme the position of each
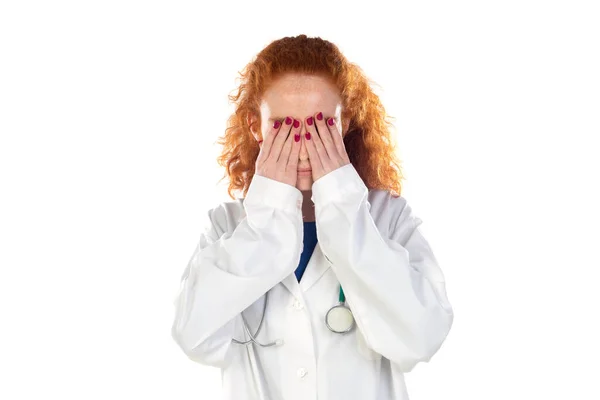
(368, 140)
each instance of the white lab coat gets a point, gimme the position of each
(368, 241)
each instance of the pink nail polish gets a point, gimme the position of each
(276, 124)
(320, 116)
(297, 138)
(330, 122)
(307, 135)
(296, 123)
(309, 121)
(288, 120)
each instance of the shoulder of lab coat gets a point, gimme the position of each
(392, 281)
(228, 271)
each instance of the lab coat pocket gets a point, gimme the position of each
(363, 349)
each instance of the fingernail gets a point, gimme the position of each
(288, 120)
(320, 116)
(309, 121)
(276, 124)
(307, 135)
(296, 123)
(297, 137)
(330, 122)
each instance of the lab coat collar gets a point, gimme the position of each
(316, 267)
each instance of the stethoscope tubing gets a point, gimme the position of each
(342, 303)
(253, 337)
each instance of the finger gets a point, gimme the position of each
(295, 153)
(318, 143)
(279, 141)
(313, 156)
(267, 143)
(327, 139)
(287, 147)
(338, 141)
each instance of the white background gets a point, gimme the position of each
(109, 113)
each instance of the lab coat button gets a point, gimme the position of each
(298, 305)
(302, 372)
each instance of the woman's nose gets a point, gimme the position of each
(303, 156)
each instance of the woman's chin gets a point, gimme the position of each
(304, 182)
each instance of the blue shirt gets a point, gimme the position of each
(310, 241)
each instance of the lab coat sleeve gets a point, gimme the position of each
(393, 284)
(232, 268)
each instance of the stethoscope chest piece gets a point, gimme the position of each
(339, 319)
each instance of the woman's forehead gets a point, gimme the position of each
(294, 82)
(300, 93)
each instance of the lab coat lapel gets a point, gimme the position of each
(316, 267)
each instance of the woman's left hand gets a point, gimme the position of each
(326, 150)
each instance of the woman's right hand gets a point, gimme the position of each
(278, 156)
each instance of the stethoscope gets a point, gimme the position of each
(339, 319)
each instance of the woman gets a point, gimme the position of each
(322, 224)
